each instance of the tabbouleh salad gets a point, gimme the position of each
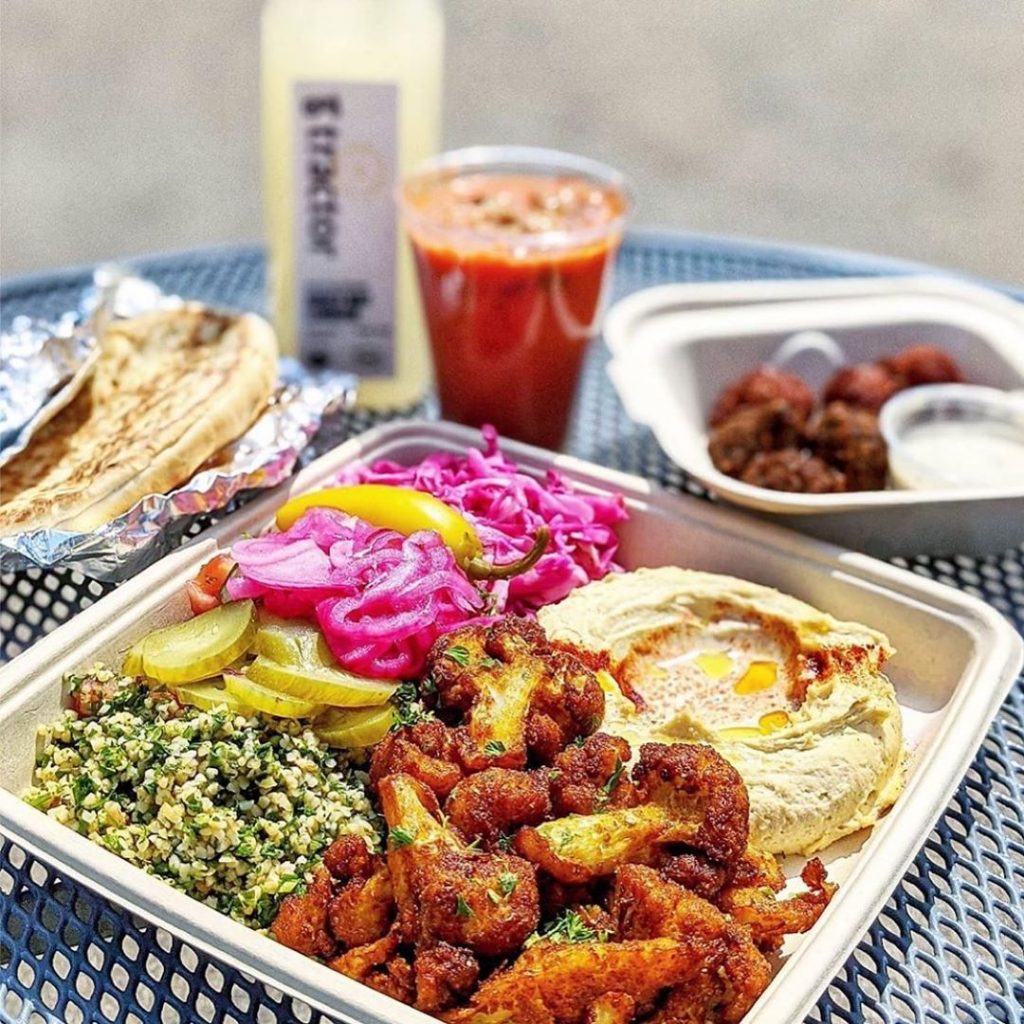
(232, 810)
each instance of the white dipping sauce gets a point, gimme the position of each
(973, 454)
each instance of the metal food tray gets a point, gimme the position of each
(956, 660)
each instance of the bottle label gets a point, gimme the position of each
(346, 151)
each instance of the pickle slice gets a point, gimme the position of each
(208, 696)
(132, 663)
(332, 686)
(270, 702)
(202, 646)
(361, 727)
(292, 642)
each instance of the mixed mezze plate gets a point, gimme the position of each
(952, 661)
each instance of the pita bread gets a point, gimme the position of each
(170, 388)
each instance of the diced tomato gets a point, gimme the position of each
(199, 600)
(214, 574)
(89, 694)
(204, 591)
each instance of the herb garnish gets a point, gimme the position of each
(400, 837)
(494, 748)
(408, 708)
(458, 654)
(568, 927)
(462, 908)
(613, 780)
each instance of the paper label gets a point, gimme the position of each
(346, 152)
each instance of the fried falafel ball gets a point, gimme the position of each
(923, 364)
(866, 385)
(752, 430)
(763, 385)
(848, 438)
(795, 470)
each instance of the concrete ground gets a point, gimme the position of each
(895, 126)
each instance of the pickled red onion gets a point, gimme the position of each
(505, 506)
(381, 599)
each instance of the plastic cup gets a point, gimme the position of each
(514, 249)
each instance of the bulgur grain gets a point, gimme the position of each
(231, 810)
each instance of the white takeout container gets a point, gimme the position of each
(676, 347)
(697, 295)
(956, 660)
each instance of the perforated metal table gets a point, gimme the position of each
(949, 945)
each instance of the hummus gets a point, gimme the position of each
(795, 699)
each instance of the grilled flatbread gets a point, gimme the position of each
(170, 388)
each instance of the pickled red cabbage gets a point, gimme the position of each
(506, 505)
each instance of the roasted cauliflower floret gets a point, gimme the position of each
(592, 777)
(733, 972)
(770, 919)
(645, 906)
(361, 911)
(757, 869)
(722, 995)
(696, 872)
(703, 793)
(379, 966)
(495, 802)
(689, 795)
(519, 696)
(579, 848)
(350, 857)
(447, 891)
(301, 920)
(427, 751)
(556, 983)
(444, 975)
(611, 1008)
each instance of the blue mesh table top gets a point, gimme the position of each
(949, 945)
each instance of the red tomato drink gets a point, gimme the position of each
(513, 265)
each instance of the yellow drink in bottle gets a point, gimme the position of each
(351, 101)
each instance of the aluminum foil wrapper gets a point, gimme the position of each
(51, 362)
(42, 366)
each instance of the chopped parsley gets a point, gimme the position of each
(408, 708)
(490, 662)
(400, 837)
(494, 748)
(567, 927)
(458, 654)
(613, 780)
(81, 787)
(507, 883)
(462, 908)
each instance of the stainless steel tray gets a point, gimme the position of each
(956, 660)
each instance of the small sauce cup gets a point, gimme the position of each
(514, 248)
(955, 436)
